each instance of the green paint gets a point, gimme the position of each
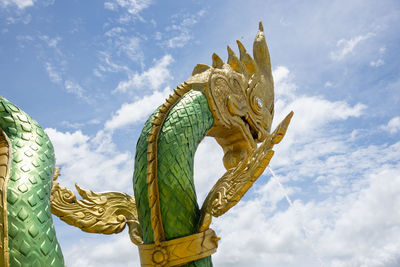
(185, 126)
(32, 239)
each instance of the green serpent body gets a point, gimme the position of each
(239, 116)
(185, 126)
(32, 239)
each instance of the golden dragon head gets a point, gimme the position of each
(240, 93)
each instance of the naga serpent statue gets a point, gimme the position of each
(232, 102)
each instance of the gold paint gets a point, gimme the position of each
(104, 213)
(240, 94)
(179, 251)
(5, 163)
(232, 186)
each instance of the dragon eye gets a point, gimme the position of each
(259, 103)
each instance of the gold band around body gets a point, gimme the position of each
(179, 251)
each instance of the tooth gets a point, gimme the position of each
(248, 128)
(259, 135)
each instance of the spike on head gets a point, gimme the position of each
(246, 59)
(261, 54)
(242, 50)
(217, 61)
(234, 62)
(260, 26)
(200, 68)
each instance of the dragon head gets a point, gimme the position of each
(240, 94)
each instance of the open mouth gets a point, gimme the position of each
(240, 143)
(250, 128)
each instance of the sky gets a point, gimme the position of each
(91, 72)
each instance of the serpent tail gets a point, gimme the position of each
(31, 236)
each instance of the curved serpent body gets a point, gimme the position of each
(232, 102)
(185, 126)
(31, 235)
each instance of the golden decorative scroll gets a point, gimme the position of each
(179, 251)
(232, 186)
(104, 213)
(5, 163)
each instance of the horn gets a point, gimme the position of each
(234, 62)
(250, 64)
(217, 61)
(261, 54)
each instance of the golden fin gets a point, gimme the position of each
(232, 186)
(102, 213)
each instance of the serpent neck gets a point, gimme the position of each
(183, 130)
(185, 126)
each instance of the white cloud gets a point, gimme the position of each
(131, 47)
(24, 38)
(130, 113)
(21, 4)
(116, 31)
(107, 251)
(152, 78)
(393, 126)
(110, 6)
(179, 33)
(311, 112)
(78, 125)
(54, 75)
(158, 36)
(91, 162)
(73, 125)
(179, 40)
(108, 65)
(280, 74)
(347, 46)
(377, 63)
(209, 153)
(74, 88)
(359, 229)
(348, 218)
(57, 69)
(51, 42)
(367, 223)
(259, 232)
(24, 18)
(119, 47)
(314, 111)
(283, 82)
(131, 6)
(70, 86)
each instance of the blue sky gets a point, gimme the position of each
(90, 72)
